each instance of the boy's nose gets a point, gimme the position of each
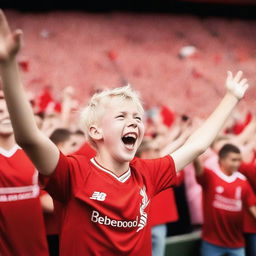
(132, 124)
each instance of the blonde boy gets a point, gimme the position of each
(108, 197)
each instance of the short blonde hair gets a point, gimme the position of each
(93, 111)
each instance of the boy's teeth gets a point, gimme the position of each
(130, 135)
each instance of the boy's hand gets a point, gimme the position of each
(9, 41)
(235, 85)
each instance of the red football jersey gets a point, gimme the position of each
(163, 207)
(249, 170)
(105, 214)
(86, 150)
(21, 221)
(224, 199)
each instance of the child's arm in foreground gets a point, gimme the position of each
(201, 139)
(43, 153)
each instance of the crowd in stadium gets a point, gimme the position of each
(215, 161)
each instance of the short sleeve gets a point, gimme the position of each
(161, 172)
(58, 183)
(204, 178)
(249, 197)
(247, 169)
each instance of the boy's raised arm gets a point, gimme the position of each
(201, 139)
(43, 153)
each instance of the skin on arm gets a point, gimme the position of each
(42, 152)
(252, 209)
(47, 203)
(174, 145)
(199, 170)
(201, 139)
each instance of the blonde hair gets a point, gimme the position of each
(93, 111)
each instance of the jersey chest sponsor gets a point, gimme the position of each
(8, 194)
(105, 220)
(227, 203)
(140, 221)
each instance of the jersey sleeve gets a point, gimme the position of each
(161, 172)
(247, 168)
(61, 184)
(204, 178)
(249, 198)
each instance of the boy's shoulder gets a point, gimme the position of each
(141, 164)
(82, 160)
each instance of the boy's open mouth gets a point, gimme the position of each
(129, 140)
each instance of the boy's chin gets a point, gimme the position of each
(126, 157)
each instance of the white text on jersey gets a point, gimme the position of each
(105, 220)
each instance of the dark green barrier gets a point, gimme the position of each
(184, 245)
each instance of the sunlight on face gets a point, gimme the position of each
(122, 128)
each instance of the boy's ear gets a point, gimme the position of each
(95, 132)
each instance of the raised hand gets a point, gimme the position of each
(236, 85)
(9, 41)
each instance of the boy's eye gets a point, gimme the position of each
(120, 116)
(138, 118)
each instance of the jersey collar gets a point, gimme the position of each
(231, 178)
(10, 152)
(123, 178)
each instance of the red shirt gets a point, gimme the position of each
(224, 199)
(105, 214)
(21, 221)
(249, 170)
(53, 220)
(163, 206)
(86, 150)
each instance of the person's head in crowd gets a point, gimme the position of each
(77, 140)
(61, 138)
(113, 123)
(147, 150)
(51, 122)
(5, 122)
(229, 158)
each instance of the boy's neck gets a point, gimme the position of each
(109, 163)
(228, 173)
(7, 142)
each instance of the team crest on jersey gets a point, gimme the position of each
(143, 214)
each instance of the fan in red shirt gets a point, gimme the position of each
(21, 224)
(249, 170)
(226, 194)
(107, 198)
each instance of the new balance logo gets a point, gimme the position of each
(100, 196)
